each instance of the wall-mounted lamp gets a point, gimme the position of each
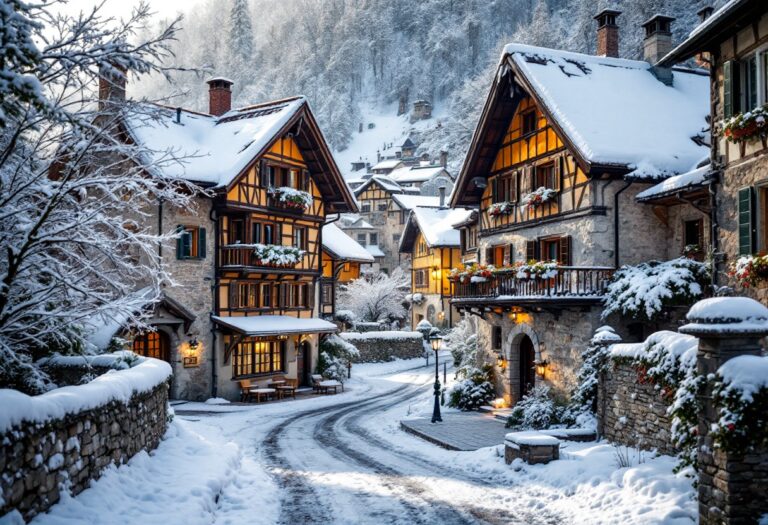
(435, 272)
(194, 344)
(501, 360)
(541, 368)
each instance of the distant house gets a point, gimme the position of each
(342, 259)
(408, 149)
(422, 110)
(385, 167)
(433, 244)
(416, 176)
(565, 144)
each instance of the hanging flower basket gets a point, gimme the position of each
(474, 273)
(538, 197)
(497, 209)
(277, 256)
(750, 270)
(290, 199)
(537, 270)
(746, 127)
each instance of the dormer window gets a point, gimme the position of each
(529, 122)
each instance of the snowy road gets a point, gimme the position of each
(344, 460)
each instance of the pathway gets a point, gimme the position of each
(462, 431)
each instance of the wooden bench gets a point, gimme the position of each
(288, 389)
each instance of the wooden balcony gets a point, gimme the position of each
(572, 284)
(235, 257)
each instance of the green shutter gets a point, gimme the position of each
(746, 221)
(180, 242)
(201, 243)
(728, 91)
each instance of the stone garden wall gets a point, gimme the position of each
(377, 347)
(41, 456)
(631, 413)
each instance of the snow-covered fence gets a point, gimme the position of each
(376, 347)
(61, 440)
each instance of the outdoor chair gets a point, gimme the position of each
(245, 390)
(288, 389)
(316, 380)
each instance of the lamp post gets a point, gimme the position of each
(435, 340)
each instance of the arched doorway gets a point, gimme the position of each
(153, 344)
(527, 365)
(304, 363)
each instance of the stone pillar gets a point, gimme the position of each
(730, 486)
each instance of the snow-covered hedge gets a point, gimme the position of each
(537, 410)
(115, 385)
(335, 355)
(643, 291)
(474, 391)
(391, 335)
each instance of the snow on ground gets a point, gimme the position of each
(217, 465)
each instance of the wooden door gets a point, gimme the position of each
(527, 370)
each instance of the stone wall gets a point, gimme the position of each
(387, 346)
(631, 413)
(67, 454)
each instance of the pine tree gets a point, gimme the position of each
(240, 31)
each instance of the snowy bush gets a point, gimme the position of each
(334, 357)
(346, 316)
(275, 255)
(594, 359)
(750, 270)
(71, 240)
(378, 297)
(643, 291)
(537, 410)
(461, 341)
(474, 391)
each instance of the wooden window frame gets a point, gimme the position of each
(525, 116)
(245, 355)
(300, 237)
(191, 243)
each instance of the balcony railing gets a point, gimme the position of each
(244, 256)
(570, 281)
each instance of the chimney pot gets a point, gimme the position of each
(219, 95)
(657, 44)
(607, 33)
(112, 80)
(444, 158)
(441, 190)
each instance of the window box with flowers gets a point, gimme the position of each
(750, 270)
(290, 199)
(536, 270)
(276, 256)
(476, 273)
(497, 209)
(746, 127)
(538, 197)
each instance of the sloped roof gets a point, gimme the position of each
(693, 179)
(408, 202)
(613, 114)
(342, 246)
(384, 181)
(265, 325)
(215, 151)
(417, 173)
(352, 221)
(387, 164)
(436, 224)
(374, 250)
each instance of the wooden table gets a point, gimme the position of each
(262, 392)
(331, 383)
(286, 390)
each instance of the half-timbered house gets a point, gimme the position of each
(248, 258)
(342, 260)
(564, 144)
(433, 245)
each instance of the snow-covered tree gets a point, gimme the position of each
(461, 341)
(73, 192)
(240, 31)
(377, 297)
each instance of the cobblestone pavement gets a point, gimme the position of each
(462, 431)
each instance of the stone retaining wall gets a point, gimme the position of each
(39, 460)
(631, 413)
(387, 347)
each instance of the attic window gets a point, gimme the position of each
(529, 123)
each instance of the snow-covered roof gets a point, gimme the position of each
(408, 202)
(382, 180)
(615, 112)
(268, 325)
(342, 246)
(387, 164)
(218, 148)
(436, 224)
(352, 221)
(374, 250)
(417, 173)
(685, 181)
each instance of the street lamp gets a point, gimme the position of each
(435, 340)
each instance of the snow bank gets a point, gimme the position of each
(178, 483)
(727, 315)
(115, 385)
(391, 335)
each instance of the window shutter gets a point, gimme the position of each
(507, 254)
(746, 221)
(513, 184)
(233, 303)
(558, 173)
(180, 242)
(305, 180)
(283, 300)
(530, 180)
(489, 256)
(201, 243)
(530, 250)
(565, 250)
(511, 256)
(311, 296)
(264, 174)
(728, 89)
(495, 189)
(278, 240)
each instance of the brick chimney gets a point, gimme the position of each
(112, 80)
(657, 44)
(607, 33)
(219, 95)
(444, 158)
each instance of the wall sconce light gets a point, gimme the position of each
(190, 358)
(435, 272)
(541, 368)
(194, 344)
(501, 360)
